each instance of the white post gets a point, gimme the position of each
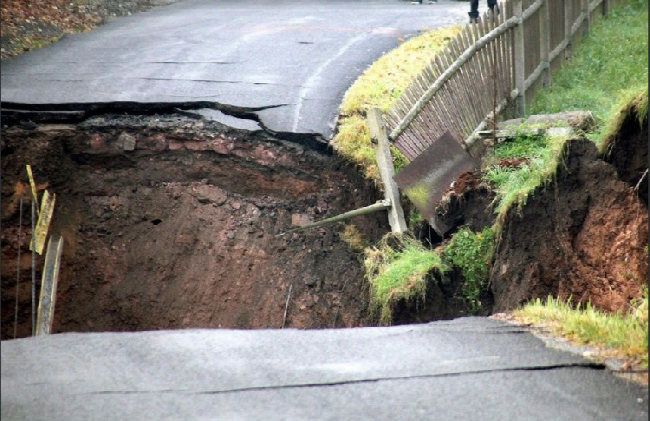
(386, 169)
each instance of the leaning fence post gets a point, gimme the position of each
(568, 23)
(385, 165)
(520, 60)
(545, 43)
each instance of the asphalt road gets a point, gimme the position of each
(466, 369)
(291, 60)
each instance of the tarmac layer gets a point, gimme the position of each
(290, 62)
(469, 368)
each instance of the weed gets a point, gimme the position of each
(353, 238)
(472, 253)
(397, 269)
(624, 334)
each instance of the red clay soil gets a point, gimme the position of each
(583, 236)
(184, 230)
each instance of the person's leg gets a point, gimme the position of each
(473, 13)
(494, 7)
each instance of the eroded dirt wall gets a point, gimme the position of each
(173, 222)
(585, 236)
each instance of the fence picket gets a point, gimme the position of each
(484, 63)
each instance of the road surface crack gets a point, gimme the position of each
(585, 365)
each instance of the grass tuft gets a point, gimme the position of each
(623, 334)
(353, 238)
(513, 185)
(397, 270)
(472, 253)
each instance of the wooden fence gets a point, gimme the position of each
(492, 66)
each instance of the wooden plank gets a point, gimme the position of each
(480, 75)
(32, 184)
(568, 36)
(49, 282)
(464, 85)
(43, 224)
(386, 169)
(545, 43)
(519, 62)
(455, 95)
(446, 74)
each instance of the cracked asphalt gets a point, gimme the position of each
(465, 369)
(297, 57)
(288, 63)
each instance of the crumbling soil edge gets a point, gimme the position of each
(15, 113)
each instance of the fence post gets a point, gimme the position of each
(386, 170)
(545, 43)
(586, 24)
(606, 6)
(520, 60)
(568, 23)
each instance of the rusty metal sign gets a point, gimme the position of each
(428, 176)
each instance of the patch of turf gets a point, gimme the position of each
(624, 334)
(397, 269)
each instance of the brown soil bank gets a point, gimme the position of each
(172, 222)
(585, 235)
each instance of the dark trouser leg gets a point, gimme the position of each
(473, 13)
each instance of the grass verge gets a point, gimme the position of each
(380, 86)
(397, 269)
(622, 335)
(608, 64)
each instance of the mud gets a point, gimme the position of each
(584, 236)
(627, 151)
(176, 222)
(468, 203)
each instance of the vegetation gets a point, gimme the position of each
(397, 269)
(621, 334)
(513, 185)
(380, 87)
(607, 73)
(354, 238)
(609, 64)
(634, 103)
(472, 253)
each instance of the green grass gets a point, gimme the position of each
(606, 66)
(380, 86)
(514, 185)
(623, 334)
(472, 253)
(397, 269)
